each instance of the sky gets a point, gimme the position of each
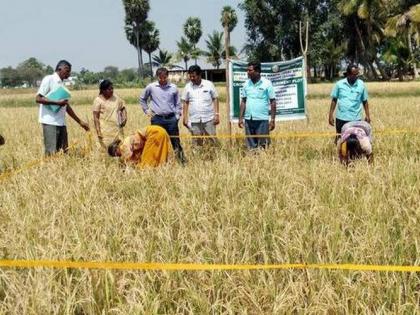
(90, 33)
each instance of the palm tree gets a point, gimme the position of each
(151, 43)
(229, 19)
(406, 24)
(163, 59)
(192, 30)
(365, 20)
(397, 55)
(184, 50)
(136, 12)
(196, 53)
(333, 53)
(233, 52)
(215, 49)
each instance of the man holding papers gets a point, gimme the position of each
(53, 100)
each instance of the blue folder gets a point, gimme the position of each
(59, 94)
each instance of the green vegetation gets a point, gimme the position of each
(382, 35)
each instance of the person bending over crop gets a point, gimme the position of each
(151, 148)
(355, 142)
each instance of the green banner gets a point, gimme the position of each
(289, 82)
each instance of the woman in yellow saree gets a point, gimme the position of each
(151, 148)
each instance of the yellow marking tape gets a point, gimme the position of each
(9, 173)
(29, 165)
(284, 135)
(243, 136)
(196, 267)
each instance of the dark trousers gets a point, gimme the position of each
(257, 128)
(170, 124)
(55, 138)
(338, 127)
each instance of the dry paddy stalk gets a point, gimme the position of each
(291, 204)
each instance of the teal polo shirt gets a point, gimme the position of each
(258, 98)
(350, 99)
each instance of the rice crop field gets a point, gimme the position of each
(293, 203)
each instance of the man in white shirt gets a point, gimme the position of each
(54, 123)
(201, 106)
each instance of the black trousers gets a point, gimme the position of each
(170, 124)
(339, 125)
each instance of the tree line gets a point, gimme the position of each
(381, 35)
(144, 36)
(27, 73)
(30, 72)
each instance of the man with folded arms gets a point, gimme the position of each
(164, 109)
(201, 106)
(54, 123)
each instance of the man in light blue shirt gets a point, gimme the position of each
(350, 93)
(257, 106)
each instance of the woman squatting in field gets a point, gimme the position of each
(355, 142)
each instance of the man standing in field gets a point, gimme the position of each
(165, 108)
(258, 107)
(201, 106)
(350, 93)
(54, 123)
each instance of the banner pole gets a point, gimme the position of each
(229, 123)
(227, 44)
(306, 90)
(304, 49)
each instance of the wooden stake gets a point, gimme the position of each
(227, 44)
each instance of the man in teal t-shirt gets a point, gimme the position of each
(258, 107)
(349, 93)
